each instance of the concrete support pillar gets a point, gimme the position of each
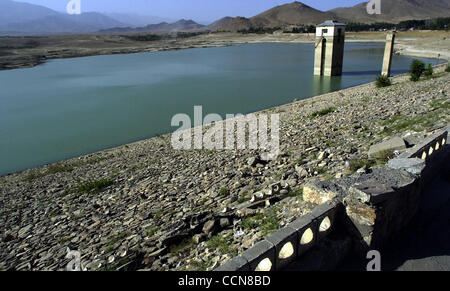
(388, 51)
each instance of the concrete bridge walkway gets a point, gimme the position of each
(425, 245)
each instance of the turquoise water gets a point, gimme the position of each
(70, 107)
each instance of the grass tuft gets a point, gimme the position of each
(220, 243)
(114, 240)
(95, 186)
(297, 193)
(323, 112)
(224, 191)
(267, 222)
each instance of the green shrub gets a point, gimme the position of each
(383, 81)
(429, 71)
(416, 70)
(448, 68)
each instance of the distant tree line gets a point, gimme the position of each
(301, 29)
(166, 36)
(20, 45)
(425, 24)
(259, 30)
(270, 30)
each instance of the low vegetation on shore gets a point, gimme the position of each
(383, 81)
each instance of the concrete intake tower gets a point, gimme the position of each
(329, 48)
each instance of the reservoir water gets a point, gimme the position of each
(70, 107)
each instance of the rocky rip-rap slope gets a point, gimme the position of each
(147, 206)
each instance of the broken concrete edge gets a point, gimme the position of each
(308, 230)
(320, 192)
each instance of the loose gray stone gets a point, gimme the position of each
(209, 226)
(224, 222)
(198, 238)
(302, 172)
(23, 232)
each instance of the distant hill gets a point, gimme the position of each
(62, 23)
(288, 14)
(25, 19)
(137, 20)
(295, 13)
(395, 11)
(14, 12)
(181, 26)
(219, 23)
(237, 23)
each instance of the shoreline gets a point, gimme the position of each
(138, 141)
(169, 133)
(19, 56)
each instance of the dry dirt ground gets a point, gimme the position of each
(19, 52)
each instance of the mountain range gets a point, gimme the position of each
(138, 20)
(395, 11)
(18, 18)
(180, 25)
(297, 13)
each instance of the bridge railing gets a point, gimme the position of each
(288, 244)
(429, 146)
(363, 195)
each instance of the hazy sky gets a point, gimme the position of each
(199, 10)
